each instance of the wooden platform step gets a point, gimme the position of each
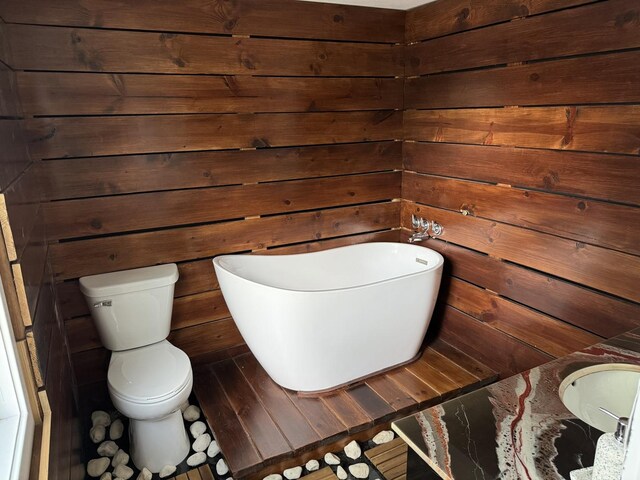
(201, 473)
(390, 459)
(323, 474)
(260, 425)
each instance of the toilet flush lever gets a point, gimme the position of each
(103, 303)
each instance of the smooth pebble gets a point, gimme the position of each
(353, 450)
(341, 473)
(197, 429)
(191, 413)
(292, 473)
(331, 459)
(122, 471)
(167, 471)
(145, 474)
(100, 417)
(221, 467)
(196, 459)
(120, 458)
(273, 476)
(384, 436)
(184, 406)
(359, 470)
(312, 465)
(106, 476)
(213, 449)
(97, 466)
(116, 429)
(107, 449)
(201, 443)
(97, 433)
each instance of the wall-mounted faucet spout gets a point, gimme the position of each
(422, 227)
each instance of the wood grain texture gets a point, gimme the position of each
(598, 313)
(92, 50)
(452, 16)
(90, 177)
(586, 264)
(599, 27)
(86, 257)
(125, 94)
(547, 334)
(606, 177)
(598, 223)
(100, 216)
(79, 137)
(279, 18)
(611, 79)
(270, 414)
(611, 129)
(15, 158)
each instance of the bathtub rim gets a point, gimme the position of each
(439, 265)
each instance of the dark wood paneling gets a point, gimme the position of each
(78, 137)
(272, 416)
(125, 94)
(547, 334)
(611, 79)
(90, 177)
(278, 18)
(601, 27)
(87, 257)
(100, 216)
(599, 223)
(601, 314)
(10, 106)
(595, 129)
(92, 50)
(15, 157)
(451, 16)
(606, 177)
(492, 347)
(587, 264)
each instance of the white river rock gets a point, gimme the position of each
(106, 476)
(331, 459)
(196, 459)
(97, 466)
(213, 449)
(201, 443)
(145, 474)
(359, 470)
(292, 473)
(116, 429)
(197, 429)
(385, 436)
(191, 414)
(353, 450)
(97, 433)
(312, 465)
(100, 417)
(221, 467)
(167, 471)
(122, 471)
(120, 458)
(341, 473)
(273, 476)
(107, 449)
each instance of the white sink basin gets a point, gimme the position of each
(612, 386)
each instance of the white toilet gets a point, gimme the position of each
(149, 379)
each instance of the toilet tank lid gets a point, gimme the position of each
(125, 281)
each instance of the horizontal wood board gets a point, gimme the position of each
(522, 140)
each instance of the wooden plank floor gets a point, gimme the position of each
(390, 459)
(257, 423)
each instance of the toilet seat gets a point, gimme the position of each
(149, 374)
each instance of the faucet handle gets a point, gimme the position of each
(420, 223)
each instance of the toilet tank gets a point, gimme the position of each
(131, 308)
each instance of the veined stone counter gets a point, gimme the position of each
(516, 428)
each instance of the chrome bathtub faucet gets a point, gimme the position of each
(422, 227)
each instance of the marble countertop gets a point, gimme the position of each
(516, 428)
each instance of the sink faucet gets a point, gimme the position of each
(419, 236)
(422, 226)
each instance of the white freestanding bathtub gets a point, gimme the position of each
(319, 320)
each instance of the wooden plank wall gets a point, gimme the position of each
(176, 131)
(28, 289)
(522, 129)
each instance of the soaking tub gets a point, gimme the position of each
(316, 321)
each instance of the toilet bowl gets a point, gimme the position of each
(148, 385)
(148, 377)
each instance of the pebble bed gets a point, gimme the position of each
(109, 446)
